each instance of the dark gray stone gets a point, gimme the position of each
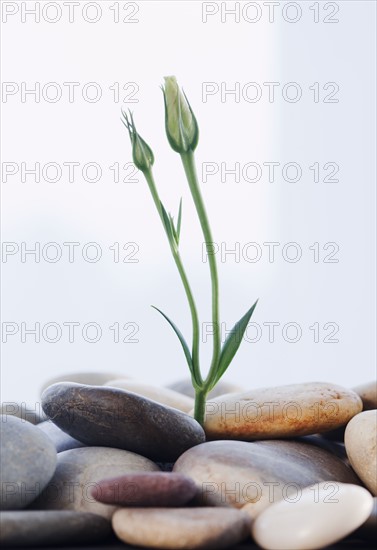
(45, 528)
(27, 462)
(111, 417)
(61, 440)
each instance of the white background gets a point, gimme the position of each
(171, 38)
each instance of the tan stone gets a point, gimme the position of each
(361, 445)
(281, 411)
(368, 394)
(181, 528)
(162, 395)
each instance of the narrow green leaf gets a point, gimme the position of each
(185, 347)
(178, 230)
(168, 224)
(173, 229)
(232, 343)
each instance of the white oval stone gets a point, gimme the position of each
(321, 515)
(162, 395)
(361, 445)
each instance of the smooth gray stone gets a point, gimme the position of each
(32, 413)
(78, 473)
(61, 440)
(238, 472)
(27, 462)
(111, 417)
(47, 528)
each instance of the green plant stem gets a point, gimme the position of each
(192, 178)
(178, 261)
(200, 404)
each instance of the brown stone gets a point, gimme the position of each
(146, 489)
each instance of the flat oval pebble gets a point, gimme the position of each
(93, 378)
(361, 446)
(27, 462)
(41, 528)
(111, 417)
(239, 473)
(146, 489)
(368, 394)
(79, 470)
(282, 411)
(61, 440)
(222, 387)
(162, 395)
(319, 516)
(181, 528)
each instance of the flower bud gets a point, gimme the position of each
(180, 122)
(141, 152)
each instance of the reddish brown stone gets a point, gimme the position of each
(146, 489)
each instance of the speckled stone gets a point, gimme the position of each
(317, 517)
(48, 528)
(361, 446)
(147, 489)
(27, 462)
(368, 394)
(80, 470)
(282, 411)
(240, 473)
(61, 440)
(185, 386)
(181, 528)
(112, 417)
(162, 395)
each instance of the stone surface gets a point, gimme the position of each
(112, 417)
(181, 528)
(92, 378)
(239, 473)
(79, 470)
(26, 411)
(361, 446)
(321, 515)
(162, 395)
(41, 528)
(185, 386)
(368, 530)
(27, 462)
(61, 440)
(147, 489)
(368, 394)
(282, 411)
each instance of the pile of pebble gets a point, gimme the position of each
(289, 467)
